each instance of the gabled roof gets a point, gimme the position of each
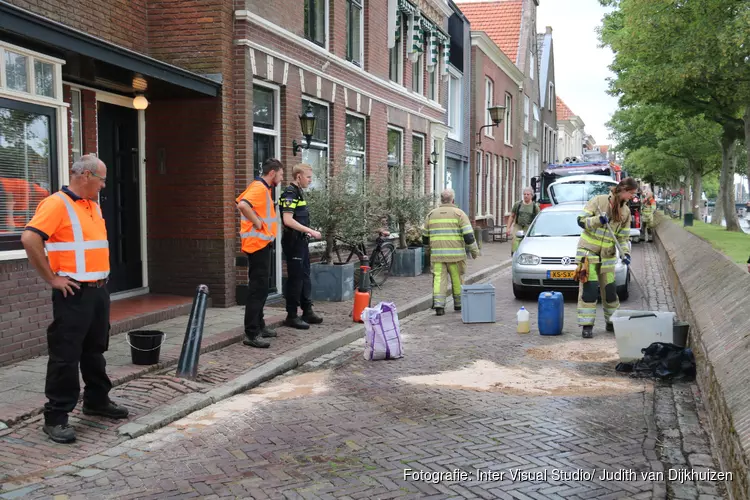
(501, 20)
(563, 111)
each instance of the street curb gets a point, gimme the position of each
(165, 415)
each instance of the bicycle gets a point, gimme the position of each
(380, 260)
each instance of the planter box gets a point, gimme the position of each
(333, 283)
(407, 262)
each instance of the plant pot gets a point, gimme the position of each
(332, 283)
(407, 262)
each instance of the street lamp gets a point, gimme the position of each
(434, 157)
(307, 124)
(496, 115)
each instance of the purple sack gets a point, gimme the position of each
(382, 332)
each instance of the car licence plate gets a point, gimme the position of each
(561, 275)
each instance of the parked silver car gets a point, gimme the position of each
(545, 259)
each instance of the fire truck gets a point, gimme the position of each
(557, 171)
(573, 166)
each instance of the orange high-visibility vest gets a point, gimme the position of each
(253, 239)
(79, 248)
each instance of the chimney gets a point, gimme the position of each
(549, 30)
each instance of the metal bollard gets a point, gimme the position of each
(187, 367)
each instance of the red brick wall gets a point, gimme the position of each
(191, 209)
(484, 67)
(122, 22)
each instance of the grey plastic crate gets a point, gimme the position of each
(478, 303)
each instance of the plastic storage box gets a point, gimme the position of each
(636, 330)
(478, 303)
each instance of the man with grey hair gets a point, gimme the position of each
(69, 224)
(521, 216)
(448, 232)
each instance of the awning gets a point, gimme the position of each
(27, 25)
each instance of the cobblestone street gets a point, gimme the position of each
(540, 417)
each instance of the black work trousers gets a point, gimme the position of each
(298, 285)
(258, 274)
(78, 335)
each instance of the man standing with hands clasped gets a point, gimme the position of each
(296, 218)
(258, 230)
(71, 227)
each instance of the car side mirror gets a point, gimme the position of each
(520, 234)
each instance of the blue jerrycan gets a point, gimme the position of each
(551, 311)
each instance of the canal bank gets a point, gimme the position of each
(710, 292)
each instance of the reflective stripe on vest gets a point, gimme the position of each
(79, 246)
(268, 220)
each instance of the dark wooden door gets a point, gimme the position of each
(120, 199)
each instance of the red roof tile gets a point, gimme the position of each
(563, 111)
(501, 20)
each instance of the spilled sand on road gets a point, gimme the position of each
(576, 350)
(487, 376)
(304, 384)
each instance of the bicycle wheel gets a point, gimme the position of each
(381, 262)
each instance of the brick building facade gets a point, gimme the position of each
(495, 82)
(74, 81)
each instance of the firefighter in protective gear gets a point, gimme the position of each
(597, 250)
(448, 232)
(258, 230)
(648, 207)
(70, 225)
(296, 218)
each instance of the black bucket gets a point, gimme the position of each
(145, 346)
(680, 333)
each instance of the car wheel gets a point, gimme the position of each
(623, 291)
(519, 292)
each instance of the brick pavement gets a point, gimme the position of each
(26, 454)
(341, 427)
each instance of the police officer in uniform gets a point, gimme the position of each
(296, 219)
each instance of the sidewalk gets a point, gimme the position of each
(150, 392)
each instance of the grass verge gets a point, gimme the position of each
(736, 246)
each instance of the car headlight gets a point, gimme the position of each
(528, 259)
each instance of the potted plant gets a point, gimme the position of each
(407, 207)
(344, 208)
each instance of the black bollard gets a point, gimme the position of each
(187, 367)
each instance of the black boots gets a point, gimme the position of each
(296, 322)
(308, 316)
(610, 327)
(267, 333)
(110, 410)
(62, 433)
(256, 341)
(587, 332)
(439, 311)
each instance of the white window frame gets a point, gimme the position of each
(434, 86)
(532, 64)
(422, 180)
(478, 193)
(57, 103)
(400, 58)
(507, 195)
(75, 122)
(536, 119)
(420, 82)
(551, 96)
(508, 121)
(400, 171)
(489, 98)
(320, 145)
(361, 62)
(363, 153)
(455, 129)
(498, 189)
(488, 184)
(526, 112)
(326, 27)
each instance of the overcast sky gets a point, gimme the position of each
(581, 67)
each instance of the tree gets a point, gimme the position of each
(697, 71)
(407, 206)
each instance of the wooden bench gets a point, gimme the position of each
(499, 233)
